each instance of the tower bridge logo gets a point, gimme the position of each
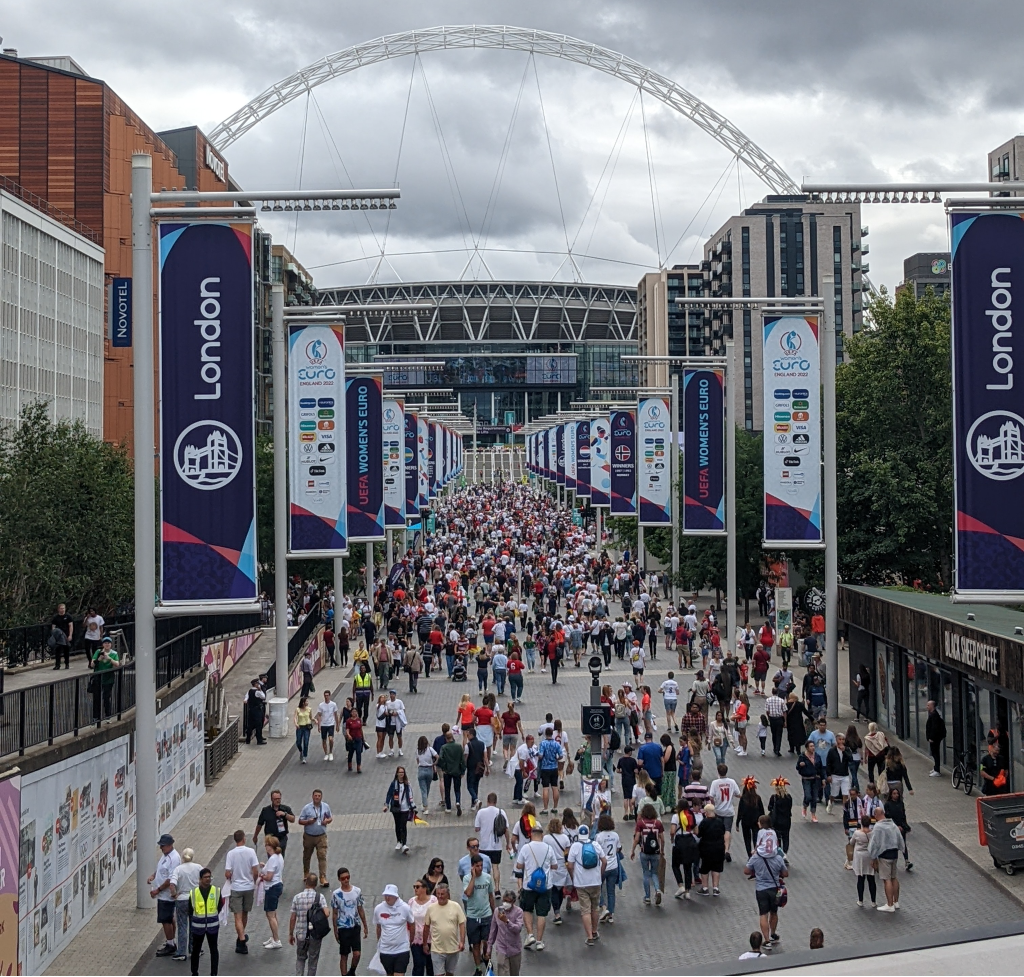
(207, 455)
(995, 445)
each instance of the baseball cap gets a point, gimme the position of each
(583, 832)
(391, 890)
(165, 840)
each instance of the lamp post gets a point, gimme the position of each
(596, 746)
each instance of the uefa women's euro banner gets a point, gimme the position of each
(207, 414)
(412, 471)
(704, 457)
(988, 406)
(364, 425)
(582, 452)
(792, 432)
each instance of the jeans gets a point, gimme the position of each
(531, 658)
(422, 965)
(499, 680)
(515, 686)
(690, 870)
(811, 793)
(624, 730)
(425, 778)
(355, 747)
(414, 679)
(450, 661)
(608, 885)
(181, 926)
(450, 779)
(720, 751)
(473, 786)
(854, 767)
(302, 740)
(649, 864)
(481, 680)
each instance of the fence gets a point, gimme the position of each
(42, 713)
(220, 750)
(296, 643)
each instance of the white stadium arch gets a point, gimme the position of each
(513, 39)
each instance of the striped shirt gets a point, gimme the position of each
(775, 706)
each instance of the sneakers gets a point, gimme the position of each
(910, 866)
(860, 903)
(886, 909)
(544, 810)
(769, 945)
(828, 808)
(741, 752)
(604, 914)
(814, 819)
(530, 940)
(647, 900)
(166, 950)
(179, 956)
(687, 894)
(590, 941)
(400, 753)
(274, 945)
(304, 760)
(557, 920)
(398, 846)
(896, 904)
(539, 945)
(728, 857)
(704, 891)
(610, 919)
(405, 849)
(803, 813)
(934, 773)
(657, 898)
(680, 892)
(380, 756)
(716, 891)
(458, 810)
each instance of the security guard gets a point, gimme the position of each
(204, 906)
(362, 691)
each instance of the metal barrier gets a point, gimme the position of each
(221, 749)
(296, 643)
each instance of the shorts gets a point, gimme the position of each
(535, 902)
(887, 868)
(670, 704)
(444, 963)
(841, 785)
(350, 940)
(494, 856)
(727, 820)
(589, 896)
(510, 740)
(326, 731)
(477, 930)
(165, 910)
(395, 963)
(466, 727)
(241, 902)
(549, 778)
(272, 896)
(767, 901)
(637, 671)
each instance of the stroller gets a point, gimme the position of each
(459, 669)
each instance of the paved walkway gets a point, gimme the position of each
(951, 887)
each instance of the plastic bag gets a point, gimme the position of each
(225, 916)
(375, 966)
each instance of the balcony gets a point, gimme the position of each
(865, 248)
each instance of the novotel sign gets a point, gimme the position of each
(119, 312)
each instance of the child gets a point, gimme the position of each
(645, 709)
(627, 767)
(762, 732)
(767, 840)
(685, 761)
(756, 939)
(696, 762)
(744, 675)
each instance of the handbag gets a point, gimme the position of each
(781, 892)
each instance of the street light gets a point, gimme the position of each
(595, 665)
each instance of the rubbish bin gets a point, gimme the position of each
(278, 718)
(1001, 829)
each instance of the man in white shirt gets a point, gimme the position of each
(241, 866)
(587, 880)
(491, 844)
(160, 889)
(637, 659)
(328, 719)
(723, 793)
(534, 859)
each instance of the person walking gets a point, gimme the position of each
(587, 863)
(711, 845)
(394, 925)
(451, 761)
(426, 770)
(935, 733)
(362, 691)
(884, 845)
(306, 668)
(478, 896)
(534, 864)
(204, 906)
(398, 800)
(271, 876)
(412, 662)
(649, 837)
(314, 818)
(274, 820)
(768, 871)
(355, 742)
(422, 899)
(505, 940)
(304, 927)
(183, 880)
(328, 719)
(241, 869)
(775, 710)
(492, 824)
(476, 766)
(303, 718)
(348, 920)
(444, 931)
(550, 752)
(160, 890)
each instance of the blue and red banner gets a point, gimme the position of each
(432, 460)
(560, 454)
(393, 456)
(583, 459)
(704, 457)
(412, 458)
(623, 463)
(653, 464)
(363, 423)
(422, 439)
(207, 413)
(569, 442)
(600, 462)
(988, 407)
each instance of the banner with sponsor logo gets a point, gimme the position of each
(432, 465)
(570, 455)
(623, 463)
(422, 437)
(988, 407)
(704, 457)
(600, 462)
(393, 453)
(792, 432)
(560, 454)
(363, 425)
(582, 451)
(207, 413)
(412, 472)
(318, 512)
(654, 470)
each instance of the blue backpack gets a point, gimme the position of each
(588, 856)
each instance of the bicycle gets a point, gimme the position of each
(963, 773)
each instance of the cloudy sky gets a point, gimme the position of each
(506, 161)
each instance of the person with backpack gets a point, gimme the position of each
(559, 841)
(534, 863)
(587, 865)
(491, 825)
(309, 917)
(649, 837)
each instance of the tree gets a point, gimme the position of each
(894, 445)
(67, 516)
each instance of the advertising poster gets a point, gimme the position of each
(363, 425)
(600, 462)
(704, 457)
(551, 458)
(393, 451)
(623, 463)
(560, 454)
(582, 451)
(654, 470)
(180, 757)
(988, 407)
(432, 460)
(10, 853)
(792, 432)
(207, 413)
(569, 448)
(318, 507)
(412, 472)
(422, 437)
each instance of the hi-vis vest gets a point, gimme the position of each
(205, 916)
(363, 681)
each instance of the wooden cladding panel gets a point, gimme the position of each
(34, 132)
(90, 153)
(10, 124)
(61, 132)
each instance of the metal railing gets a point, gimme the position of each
(39, 203)
(296, 643)
(221, 749)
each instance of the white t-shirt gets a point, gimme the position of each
(722, 793)
(94, 628)
(426, 758)
(274, 864)
(609, 843)
(669, 688)
(484, 824)
(328, 713)
(534, 855)
(559, 845)
(582, 877)
(637, 657)
(393, 922)
(240, 862)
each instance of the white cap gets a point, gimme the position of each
(391, 890)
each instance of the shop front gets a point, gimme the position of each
(968, 659)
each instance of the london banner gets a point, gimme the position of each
(363, 425)
(988, 407)
(792, 432)
(653, 467)
(600, 462)
(704, 457)
(318, 511)
(422, 438)
(623, 463)
(432, 460)
(560, 454)
(582, 451)
(412, 474)
(393, 456)
(570, 455)
(207, 412)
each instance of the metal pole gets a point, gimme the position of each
(389, 555)
(339, 586)
(730, 495)
(674, 482)
(475, 479)
(280, 382)
(600, 528)
(829, 522)
(596, 740)
(640, 559)
(369, 575)
(145, 523)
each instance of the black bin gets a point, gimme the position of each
(1001, 828)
